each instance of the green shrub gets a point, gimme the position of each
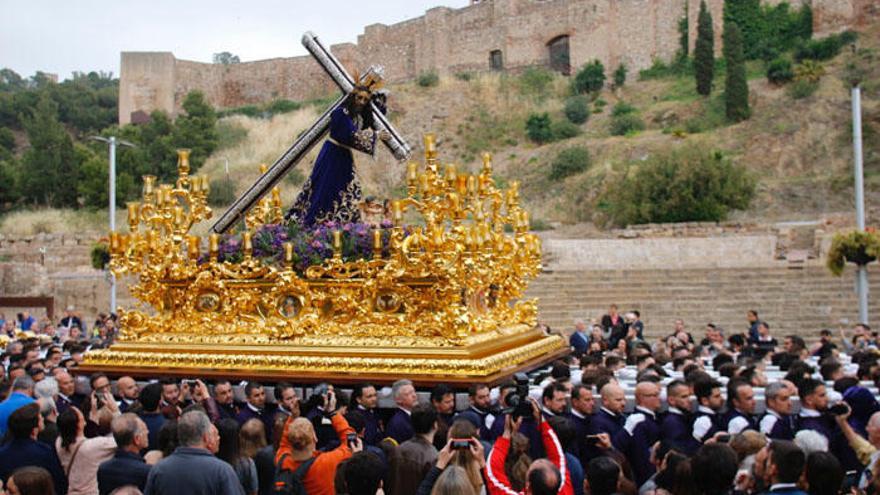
(246, 110)
(100, 255)
(779, 71)
(802, 89)
(620, 76)
(680, 185)
(230, 134)
(577, 109)
(736, 86)
(622, 125)
(7, 139)
(535, 82)
(564, 129)
(825, 48)
(569, 162)
(222, 193)
(590, 79)
(622, 108)
(428, 79)
(680, 66)
(538, 128)
(282, 106)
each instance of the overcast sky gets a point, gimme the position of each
(60, 36)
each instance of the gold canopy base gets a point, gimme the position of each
(485, 360)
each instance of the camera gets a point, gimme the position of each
(725, 438)
(518, 405)
(839, 409)
(460, 443)
(351, 438)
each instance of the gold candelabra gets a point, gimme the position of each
(444, 291)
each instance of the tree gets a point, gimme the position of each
(749, 18)
(49, 168)
(736, 87)
(93, 185)
(10, 80)
(197, 129)
(704, 51)
(590, 79)
(226, 58)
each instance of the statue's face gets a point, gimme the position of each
(361, 99)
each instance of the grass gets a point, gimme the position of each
(58, 221)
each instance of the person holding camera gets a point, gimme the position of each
(548, 475)
(298, 453)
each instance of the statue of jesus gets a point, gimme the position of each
(332, 192)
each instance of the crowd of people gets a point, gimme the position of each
(693, 413)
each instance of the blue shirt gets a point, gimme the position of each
(9, 406)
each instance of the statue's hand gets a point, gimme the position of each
(384, 135)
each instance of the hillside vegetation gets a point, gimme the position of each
(577, 156)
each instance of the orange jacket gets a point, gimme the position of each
(320, 476)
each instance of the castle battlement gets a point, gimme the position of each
(506, 35)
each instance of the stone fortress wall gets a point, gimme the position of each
(445, 40)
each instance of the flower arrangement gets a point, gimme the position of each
(311, 246)
(859, 247)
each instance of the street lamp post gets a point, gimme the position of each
(113, 142)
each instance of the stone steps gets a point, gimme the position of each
(800, 301)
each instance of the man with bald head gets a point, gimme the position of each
(128, 391)
(610, 418)
(641, 431)
(66, 390)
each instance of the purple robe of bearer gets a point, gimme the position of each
(332, 192)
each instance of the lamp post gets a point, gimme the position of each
(854, 74)
(113, 142)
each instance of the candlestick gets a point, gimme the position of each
(397, 211)
(214, 244)
(471, 184)
(430, 146)
(178, 215)
(276, 197)
(114, 242)
(487, 163)
(461, 184)
(192, 246)
(412, 174)
(451, 173)
(377, 240)
(288, 253)
(206, 186)
(423, 184)
(183, 161)
(149, 181)
(453, 202)
(247, 243)
(337, 240)
(133, 210)
(263, 168)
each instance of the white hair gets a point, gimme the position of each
(397, 386)
(47, 406)
(811, 441)
(47, 388)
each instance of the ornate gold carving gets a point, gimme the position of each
(455, 279)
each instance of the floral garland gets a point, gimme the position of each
(311, 246)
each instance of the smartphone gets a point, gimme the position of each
(839, 409)
(592, 439)
(190, 383)
(723, 438)
(351, 438)
(461, 443)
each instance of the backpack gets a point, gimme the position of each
(289, 482)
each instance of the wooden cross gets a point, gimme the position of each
(307, 140)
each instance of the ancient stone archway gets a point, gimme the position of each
(560, 60)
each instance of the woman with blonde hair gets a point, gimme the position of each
(454, 481)
(465, 458)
